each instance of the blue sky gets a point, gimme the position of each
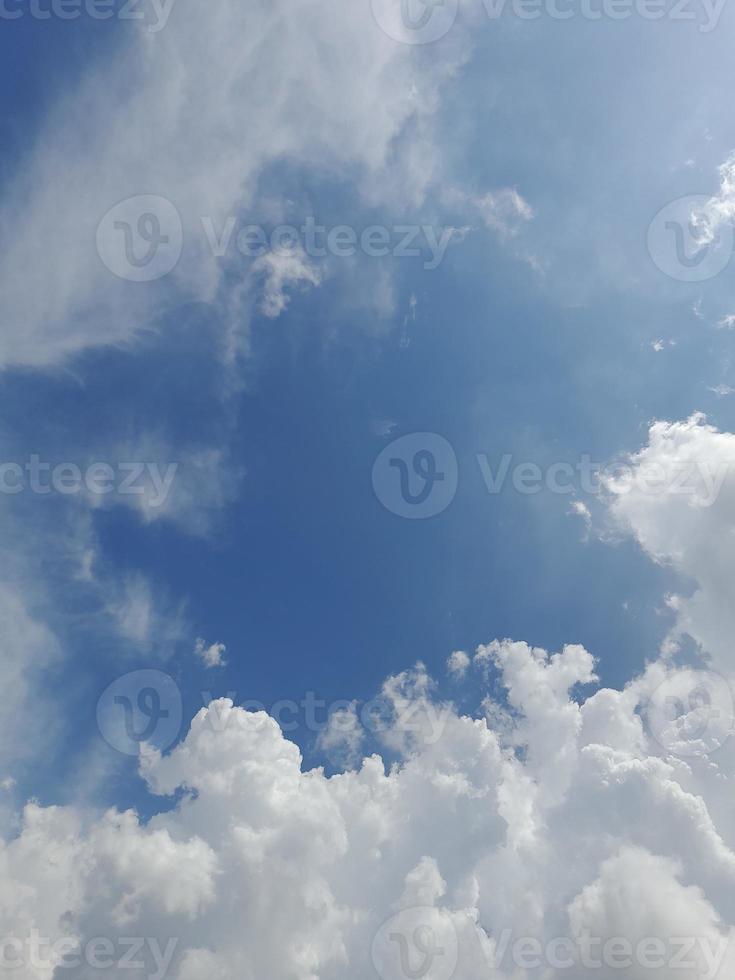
(536, 344)
(367, 486)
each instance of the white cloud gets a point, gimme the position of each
(581, 824)
(318, 85)
(211, 654)
(680, 507)
(626, 901)
(559, 812)
(457, 663)
(580, 509)
(281, 271)
(27, 650)
(505, 211)
(189, 486)
(142, 616)
(343, 737)
(718, 210)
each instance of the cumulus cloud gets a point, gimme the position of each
(555, 816)
(576, 827)
(343, 737)
(677, 499)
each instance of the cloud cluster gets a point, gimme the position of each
(567, 821)
(559, 830)
(551, 816)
